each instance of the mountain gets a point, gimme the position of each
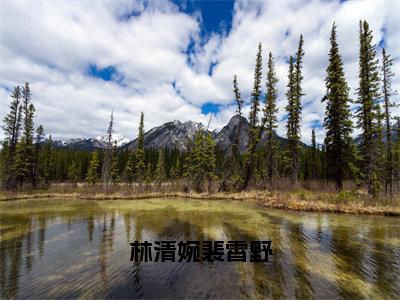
(91, 144)
(116, 137)
(170, 135)
(226, 136)
(173, 135)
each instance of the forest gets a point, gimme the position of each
(29, 160)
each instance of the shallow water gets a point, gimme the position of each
(76, 248)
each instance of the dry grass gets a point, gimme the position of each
(300, 199)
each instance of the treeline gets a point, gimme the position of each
(27, 158)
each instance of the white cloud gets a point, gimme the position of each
(51, 45)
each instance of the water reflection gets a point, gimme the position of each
(59, 248)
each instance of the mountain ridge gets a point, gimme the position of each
(173, 135)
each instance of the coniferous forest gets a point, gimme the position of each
(371, 162)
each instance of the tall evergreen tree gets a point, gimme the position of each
(387, 74)
(270, 119)
(313, 156)
(129, 172)
(27, 148)
(12, 129)
(92, 175)
(368, 108)
(293, 123)
(73, 173)
(201, 161)
(140, 166)
(36, 159)
(114, 167)
(160, 171)
(108, 154)
(254, 128)
(46, 162)
(338, 125)
(238, 97)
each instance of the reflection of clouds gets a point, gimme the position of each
(313, 254)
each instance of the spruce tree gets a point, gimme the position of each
(337, 120)
(12, 129)
(36, 160)
(239, 106)
(293, 124)
(160, 171)
(46, 166)
(201, 161)
(129, 171)
(114, 168)
(140, 166)
(238, 97)
(368, 108)
(270, 119)
(108, 155)
(313, 156)
(387, 74)
(73, 173)
(254, 129)
(27, 148)
(92, 175)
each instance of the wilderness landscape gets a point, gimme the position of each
(240, 123)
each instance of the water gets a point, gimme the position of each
(75, 248)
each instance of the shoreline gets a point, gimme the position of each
(291, 201)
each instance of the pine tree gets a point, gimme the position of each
(36, 160)
(129, 171)
(114, 168)
(337, 120)
(239, 106)
(313, 156)
(27, 148)
(201, 161)
(92, 175)
(46, 162)
(21, 166)
(293, 124)
(368, 106)
(148, 174)
(387, 74)
(175, 171)
(270, 119)
(73, 173)
(12, 129)
(105, 171)
(140, 166)
(238, 97)
(254, 129)
(160, 171)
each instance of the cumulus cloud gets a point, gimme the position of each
(164, 64)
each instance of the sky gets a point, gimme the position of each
(175, 60)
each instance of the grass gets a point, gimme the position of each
(300, 199)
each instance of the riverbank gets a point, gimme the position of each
(303, 200)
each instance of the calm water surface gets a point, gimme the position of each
(74, 248)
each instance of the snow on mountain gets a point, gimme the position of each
(116, 137)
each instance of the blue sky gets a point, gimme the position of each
(174, 59)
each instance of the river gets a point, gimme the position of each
(63, 248)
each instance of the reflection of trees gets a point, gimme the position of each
(383, 259)
(361, 258)
(90, 226)
(42, 233)
(298, 247)
(11, 254)
(106, 245)
(349, 253)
